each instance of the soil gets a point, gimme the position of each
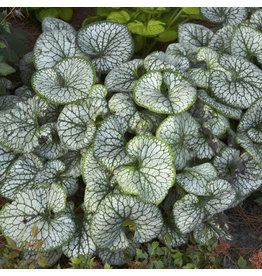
(244, 221)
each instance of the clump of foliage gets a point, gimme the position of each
(148, 25)
(163, 144)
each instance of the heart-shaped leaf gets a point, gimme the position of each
(50, 24)
(246, 43)
(242, 87)
(98, 181)
(160, 61)
(109, 44)
(42, 207)
(76, 123)
(123, 77)
(109, 143)
(195, 179)
(153, 171)
(81, 243)
(194, 34)
(19, 128)
(255, 20)
(150, 92)
(53, 46)
(107, 225)
(226, 15)
(68, 81)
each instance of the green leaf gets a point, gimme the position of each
(242, 263)
(180, 95)
(119, 16)
(6, 69)
(32, 207)
(113, 44)
(191, 10)
(167, 36)
(68, 81)
(66, 13)
(152, 28)
(107, 228)
(153, 172)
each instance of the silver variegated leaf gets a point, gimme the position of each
(76, 123)
(206, 231)
(227, 111)
(153, 171)
(188, 213)
(160, 61)
(178, 50)
(195, 179)
(107, 225)
(194, 34)
(8, 101)
(53, 46)
(19, 128)
(109, 44)
(123, 77)
(251, 122)
(253, 149)
(50, 24)
(50, 147)
(177, 131)
(240, 170)
(240, 89)
(255, 20)
(53, 172)
(246, 43)
(72, 161)
(221, 40)
(21, 175)
(98, 180)
(81, 243)
(225, 15)
(171, 236)
(220, 196)
(51, 257)
(37, 207)
(179, 97)
(118, 258)
(7, 158)
(68, 81)
(109, 143)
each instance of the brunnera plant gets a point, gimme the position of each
(104, 152)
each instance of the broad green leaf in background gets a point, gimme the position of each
(6, 69)
(119, 16)
(153, 172)
(152, 28)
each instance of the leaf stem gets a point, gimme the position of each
(7, 16)
(176, 17)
